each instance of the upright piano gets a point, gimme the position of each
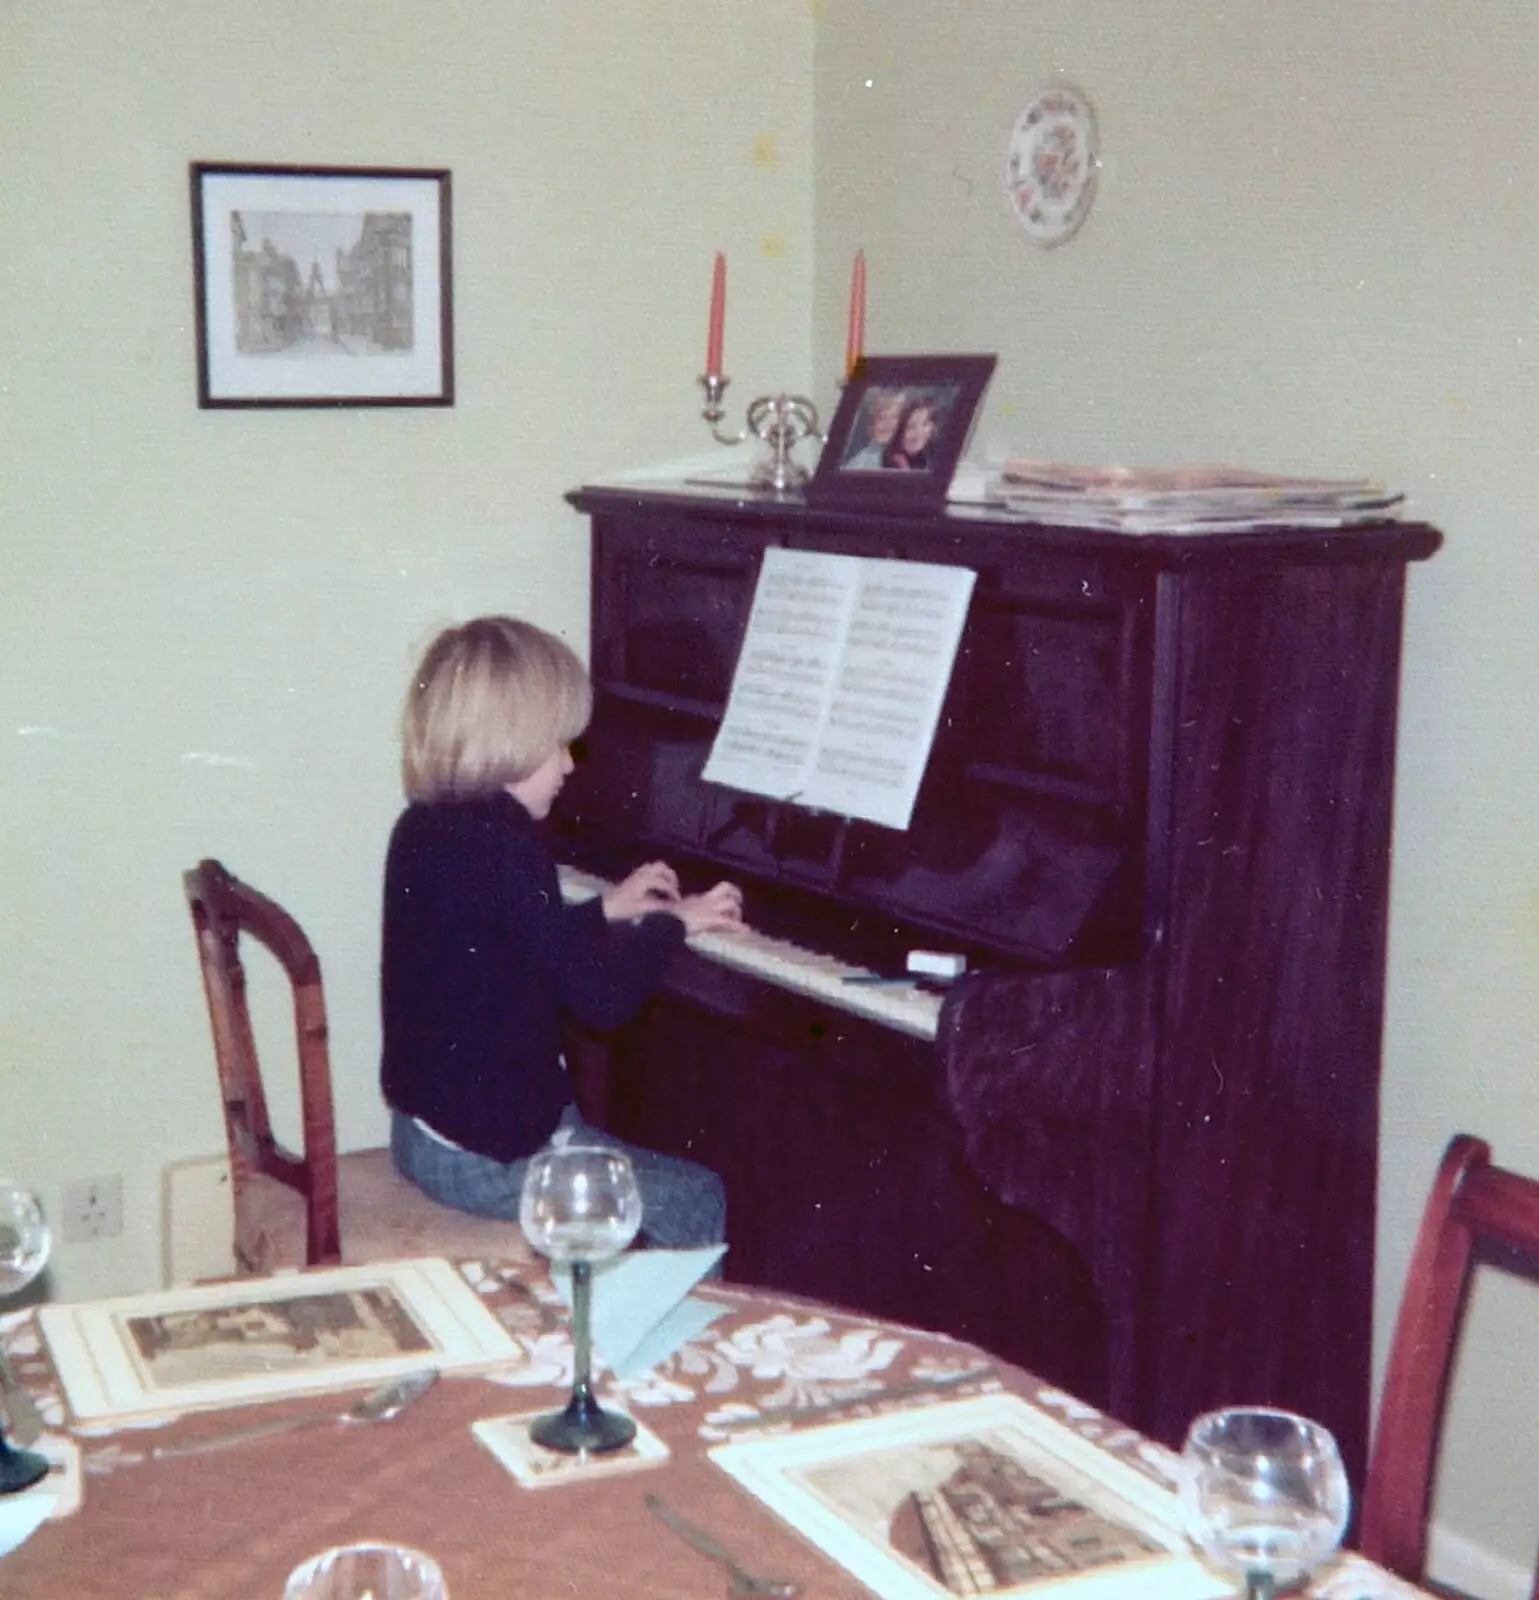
(1134, 1147)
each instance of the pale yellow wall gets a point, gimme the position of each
(206, 618)
(1315, 249)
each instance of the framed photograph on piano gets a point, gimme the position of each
(901, 427)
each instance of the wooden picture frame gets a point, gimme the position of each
(228, 1344)
(900, 429)
(975, 1496)
(322, 286)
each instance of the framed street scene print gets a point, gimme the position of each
(322, 286)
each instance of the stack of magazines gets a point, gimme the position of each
(1183, 499)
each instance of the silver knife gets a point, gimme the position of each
(24, 1422)
(746, 1585)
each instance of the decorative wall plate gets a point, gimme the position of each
(1051, 164)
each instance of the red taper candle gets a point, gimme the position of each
(855, 342)
(718, 317)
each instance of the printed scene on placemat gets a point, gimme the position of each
(972, 1516)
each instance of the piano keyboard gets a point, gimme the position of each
(792, 966)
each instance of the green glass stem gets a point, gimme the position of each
(582, 1330)
(584, 1425)
(1260, 1585)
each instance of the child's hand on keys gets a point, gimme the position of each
(653, 887)
(718, 910)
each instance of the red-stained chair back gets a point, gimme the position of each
(1476, 1214)
(314, 1208)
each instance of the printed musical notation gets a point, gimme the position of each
(840, 682)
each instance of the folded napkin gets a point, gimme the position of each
(642, 1308)
(22, 1514)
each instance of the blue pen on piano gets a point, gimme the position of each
(877, 980)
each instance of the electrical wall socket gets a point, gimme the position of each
(91, 1209)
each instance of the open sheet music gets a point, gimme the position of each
(840, 682)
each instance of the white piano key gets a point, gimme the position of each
(901, 1006)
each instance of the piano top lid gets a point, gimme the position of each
(1362, 542)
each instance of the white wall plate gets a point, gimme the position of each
(1051, 164)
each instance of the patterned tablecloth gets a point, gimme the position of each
(233, 1524)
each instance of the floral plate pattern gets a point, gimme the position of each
(1051, 165)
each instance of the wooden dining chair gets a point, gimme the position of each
(1476, 1214)
(317, 1208)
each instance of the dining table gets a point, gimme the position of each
(157, 1521)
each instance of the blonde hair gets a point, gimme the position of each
(491, 702)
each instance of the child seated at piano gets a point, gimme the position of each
(481, 960)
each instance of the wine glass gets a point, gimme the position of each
(1265, 1494)
(367, 1572)
(580, 1203)
(25, 1241)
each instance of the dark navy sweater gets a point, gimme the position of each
(481, 960)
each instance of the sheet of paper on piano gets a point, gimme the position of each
(840, 681)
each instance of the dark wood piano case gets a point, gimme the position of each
(1140, 1156)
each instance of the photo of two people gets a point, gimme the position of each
(898, 429)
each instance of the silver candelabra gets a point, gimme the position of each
(780, 422)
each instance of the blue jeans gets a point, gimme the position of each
(683, 1204)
